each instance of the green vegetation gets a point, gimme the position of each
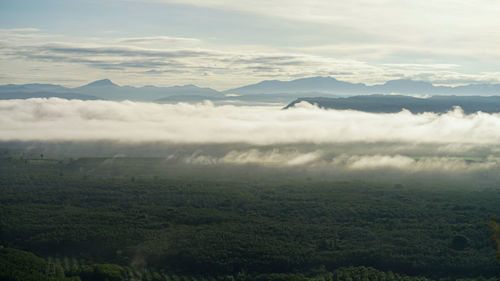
(16, 265)
(118, 225)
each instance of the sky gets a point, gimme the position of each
(227, 44)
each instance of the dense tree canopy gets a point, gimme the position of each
(119, 226)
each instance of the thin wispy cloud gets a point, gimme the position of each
(170, 60)
(160, 40)
(223, 44)
(214, 65)
(393, 20)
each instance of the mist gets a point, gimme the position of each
(305, 138)
(56, 119)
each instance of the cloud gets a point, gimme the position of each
(59, 119)
(121, 51)
(19, 30)
(401, 162)
(167, 60)
(160, 40)
(388, 34)
(386, 18)
(178, 60)
(255, 156)
(323, 160)
(193, 62)
(25, 35)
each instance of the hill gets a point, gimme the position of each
(332, 86)
(269, 91)
(396, 103)
(104, 89)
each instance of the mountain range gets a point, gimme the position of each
(104, 89)
(332, 86)
(274, 91)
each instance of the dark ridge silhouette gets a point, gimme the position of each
(397, 103)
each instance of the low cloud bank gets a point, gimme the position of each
(325, 160)
(255, 156)
(441, 164)
(74, 120)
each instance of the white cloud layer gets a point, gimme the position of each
(321, 160)
(255, 156)
(401, 162)
(305, 137)
(67, 120)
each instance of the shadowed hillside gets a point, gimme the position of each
(396, 103)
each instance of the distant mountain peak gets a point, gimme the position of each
(102, 83)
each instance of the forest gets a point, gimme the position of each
(107, 219)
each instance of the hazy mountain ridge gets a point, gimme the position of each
(313, 84)
(104, 89)
(265, 91)
(332, 86)
(397, 103)
(4, 95)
